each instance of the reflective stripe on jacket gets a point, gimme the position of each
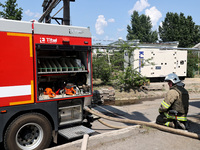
(179, 118)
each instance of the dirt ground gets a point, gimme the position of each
(151, 91)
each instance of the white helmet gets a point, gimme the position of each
(172, 77)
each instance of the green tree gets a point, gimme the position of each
(179, 28)
(101, 68)
(141, 28)
(127, 78)
(117, 59)
(113, 71)
(192, 64)
(10, 10)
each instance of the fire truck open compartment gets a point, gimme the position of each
(38, 58)
(64, 69)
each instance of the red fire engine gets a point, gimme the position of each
(46, 80)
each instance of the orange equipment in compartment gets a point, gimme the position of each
(49, 91)
(69, 90)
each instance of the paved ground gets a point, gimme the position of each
(144, 111)
(139, 138)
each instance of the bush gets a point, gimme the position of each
(129, 79)
(124, 78)
(101, 69)
(192, 64)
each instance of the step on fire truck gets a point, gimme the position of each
(46, 80)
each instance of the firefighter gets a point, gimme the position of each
(174, 108)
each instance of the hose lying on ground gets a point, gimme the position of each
(149, 124)
(111, 126)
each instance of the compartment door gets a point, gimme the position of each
(16, 69)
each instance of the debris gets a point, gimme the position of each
(104, 96)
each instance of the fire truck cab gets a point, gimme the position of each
(45, 81)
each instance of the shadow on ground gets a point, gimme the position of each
(194, 127)
(193, 120)
(117, 113)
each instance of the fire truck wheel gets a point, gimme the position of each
(27, 132)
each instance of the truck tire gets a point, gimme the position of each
(27, 132)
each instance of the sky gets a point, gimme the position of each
(108, 19)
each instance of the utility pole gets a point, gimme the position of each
(66, 12)
(49, 5)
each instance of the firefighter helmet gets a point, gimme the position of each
(172, 77)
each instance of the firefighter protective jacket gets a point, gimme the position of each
(177, 99)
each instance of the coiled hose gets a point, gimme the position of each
(149, 124)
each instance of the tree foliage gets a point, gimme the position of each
(114, 72)
(129, 77)
(141, 28)
(177, 27)
(10, 10)
(192, 64)
(101, 68)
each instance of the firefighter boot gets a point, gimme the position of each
(172, 125)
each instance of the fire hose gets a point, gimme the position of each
(111, 126)
(149, 124)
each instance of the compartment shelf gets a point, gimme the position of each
(62, 72)
(60, 65)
